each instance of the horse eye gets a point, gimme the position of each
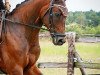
(57, 14)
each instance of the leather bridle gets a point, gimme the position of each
(51, 23)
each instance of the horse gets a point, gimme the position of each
(19, 45)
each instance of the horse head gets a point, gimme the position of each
(53, 16)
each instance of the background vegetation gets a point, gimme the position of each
(87, 22)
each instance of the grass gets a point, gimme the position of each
(51, 53)
(89, 50)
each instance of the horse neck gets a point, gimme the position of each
(29, 11)
(27, 14)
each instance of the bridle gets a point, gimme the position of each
(51, 23)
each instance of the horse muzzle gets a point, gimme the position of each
(58, 39)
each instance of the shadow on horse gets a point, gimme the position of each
(19, 47)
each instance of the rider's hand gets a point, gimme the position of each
(7, 6)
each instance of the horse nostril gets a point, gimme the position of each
(61, 41)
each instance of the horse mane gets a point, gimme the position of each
(18, 6)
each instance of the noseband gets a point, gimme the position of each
(51, 23)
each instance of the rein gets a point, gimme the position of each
(29, 25)
(3, 26)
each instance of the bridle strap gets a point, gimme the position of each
(29, 25)
(2, 26)
(51, 23)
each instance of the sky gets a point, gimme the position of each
(83, 5)
(72, 5)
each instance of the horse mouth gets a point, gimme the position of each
(58, 40)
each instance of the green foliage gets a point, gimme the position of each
(90, 18)
(97, 29)
(81, 29)
(89, 30)
(74, 28)
(87, 22)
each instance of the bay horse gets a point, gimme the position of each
(19, 47)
